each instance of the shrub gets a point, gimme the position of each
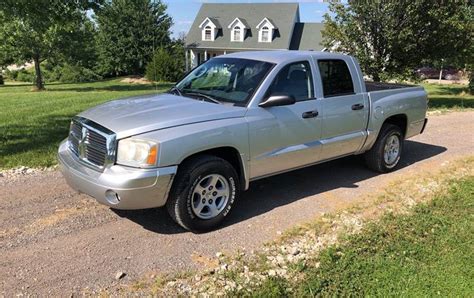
(165, 66)
(25, 76)
(11, 74)
(75, 74)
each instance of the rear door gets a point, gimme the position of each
(345, 109)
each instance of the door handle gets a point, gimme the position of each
(358, 106)
(310, 114)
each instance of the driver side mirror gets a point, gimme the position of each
(278, 100)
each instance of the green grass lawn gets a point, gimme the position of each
(427, 253)
(32, 124)
(449, 96)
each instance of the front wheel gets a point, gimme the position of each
(203, 193)
(385, 155)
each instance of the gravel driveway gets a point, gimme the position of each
(53, 240)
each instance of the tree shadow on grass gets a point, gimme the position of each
(270, 193)
(117, 87)
(437, 102)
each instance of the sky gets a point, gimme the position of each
(184, 11)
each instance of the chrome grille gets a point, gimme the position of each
(92, 143)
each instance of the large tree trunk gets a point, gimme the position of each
(38, 76)
(1, 78)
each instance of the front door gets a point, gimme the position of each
(286, 137)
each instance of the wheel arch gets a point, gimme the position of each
(400, 120)
(231, 155)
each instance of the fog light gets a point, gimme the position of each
(112, 197)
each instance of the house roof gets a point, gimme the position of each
(307, 36)
(283, 16)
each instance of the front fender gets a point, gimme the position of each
(178, 143)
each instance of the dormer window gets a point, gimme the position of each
(209, 28)
(266, 30)
(237, 32)
(208, 33)
(265, 34)
(238, 29)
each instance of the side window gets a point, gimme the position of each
(335, 77)
(295, 80)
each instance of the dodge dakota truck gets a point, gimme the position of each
(230, 121)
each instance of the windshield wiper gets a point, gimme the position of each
(203, 96)
(174, 90)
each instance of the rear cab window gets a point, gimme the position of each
(336, 77)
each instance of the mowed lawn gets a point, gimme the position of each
(449, 96)
(32, 124)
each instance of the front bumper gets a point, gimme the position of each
(117, 186)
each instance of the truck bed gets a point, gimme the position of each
(377, 86)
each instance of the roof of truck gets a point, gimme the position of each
(279, 56)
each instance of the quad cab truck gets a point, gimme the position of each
(230, 121)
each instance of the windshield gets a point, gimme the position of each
(229, 80)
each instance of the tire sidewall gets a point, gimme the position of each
(397, 132)
(187, 215)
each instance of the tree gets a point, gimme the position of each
(168, 64)
(128, 33)
(391, 38)
(36, 30)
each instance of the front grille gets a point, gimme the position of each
(91, 142)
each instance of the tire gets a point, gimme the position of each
(376, 159)
(203, 193)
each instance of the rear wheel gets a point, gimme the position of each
(385, 155)
(203, 193)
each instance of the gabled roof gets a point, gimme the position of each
(239, 20)
(266, 20)
(282, 15)
(213, 21)
(307, 36)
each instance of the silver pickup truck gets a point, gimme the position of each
(232, 120)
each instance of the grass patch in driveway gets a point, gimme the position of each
(32, 124)
(428, 252)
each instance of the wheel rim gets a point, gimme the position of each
(391, 150)
(210, 196)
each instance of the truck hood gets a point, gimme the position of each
(137, 115)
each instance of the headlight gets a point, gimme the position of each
(137, 153)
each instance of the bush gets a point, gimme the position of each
(25, 76)
(74, 74)
(165, 66)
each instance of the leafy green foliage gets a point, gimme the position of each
(391, 38)
(37, 30)
(77, 74)
(167, 65)
(128, 33)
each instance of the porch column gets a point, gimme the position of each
(205, 55)
(225, 52)
(187, 60)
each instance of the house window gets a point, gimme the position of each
(208, 33)
(265, 34)
(237, 33)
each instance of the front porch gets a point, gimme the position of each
(195, 57)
